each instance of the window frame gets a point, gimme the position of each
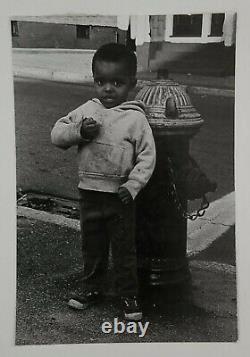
(204, 38)
(211, 32)
(188, 35)
(14, 28)
(80, 29)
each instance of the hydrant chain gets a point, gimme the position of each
(174, 194)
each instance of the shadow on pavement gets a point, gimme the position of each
(49, 267)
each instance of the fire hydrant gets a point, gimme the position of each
(162, 205)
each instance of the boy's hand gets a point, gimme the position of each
(124, 195)
(89, 128)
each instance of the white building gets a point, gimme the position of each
(197, 43)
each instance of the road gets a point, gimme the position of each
(43, 168)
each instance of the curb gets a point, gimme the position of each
(48, 217)
(212, 266)
(213, 284)
(52, 50)
(70, 223)
(219, 217)
(210, 91)
(73, 77)
(200, 234)
(50, 75)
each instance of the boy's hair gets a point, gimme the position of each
(116, 52)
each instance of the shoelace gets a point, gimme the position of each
(126, 301)
(91, 293)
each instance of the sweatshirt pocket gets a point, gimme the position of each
(104, 159)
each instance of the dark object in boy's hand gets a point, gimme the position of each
(124, 195)
(89, 128)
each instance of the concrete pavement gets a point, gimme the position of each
(49, 259)
(219, 217)
(49, 266)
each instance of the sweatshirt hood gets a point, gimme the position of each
(132, 104)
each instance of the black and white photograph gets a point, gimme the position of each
(125, 170)
(125, 178)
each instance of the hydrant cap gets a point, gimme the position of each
(168, 108)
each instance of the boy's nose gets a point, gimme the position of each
(108, 87)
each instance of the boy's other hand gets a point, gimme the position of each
(89, 128)
(124, 195)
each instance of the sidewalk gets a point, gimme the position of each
(74, 66)
(49, 266)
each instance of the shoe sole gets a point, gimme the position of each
(74, 304)
(135, 316)
(77, 305)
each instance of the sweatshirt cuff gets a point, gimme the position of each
(133, 187)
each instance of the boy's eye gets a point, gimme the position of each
(99, 82)
(118, 83)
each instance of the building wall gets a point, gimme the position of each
(99, 35)
(205, 59)
(94, 20)
(205, 54)
(56, 35)
(158, 27)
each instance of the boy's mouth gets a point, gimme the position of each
(109, 99)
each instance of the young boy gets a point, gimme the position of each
(116, 158)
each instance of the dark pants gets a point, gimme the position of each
(106, 220)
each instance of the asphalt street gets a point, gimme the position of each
(49, 268)
(43, 168)
(47, 169)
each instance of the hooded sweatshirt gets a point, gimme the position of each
(121, 154)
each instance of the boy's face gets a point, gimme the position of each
(112, 82)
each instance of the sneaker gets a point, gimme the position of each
(131, 308)
(85, 301)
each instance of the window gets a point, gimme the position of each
(82, 31)
(130, 43)
(187, 25)
(217, 24)
(14, 28)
